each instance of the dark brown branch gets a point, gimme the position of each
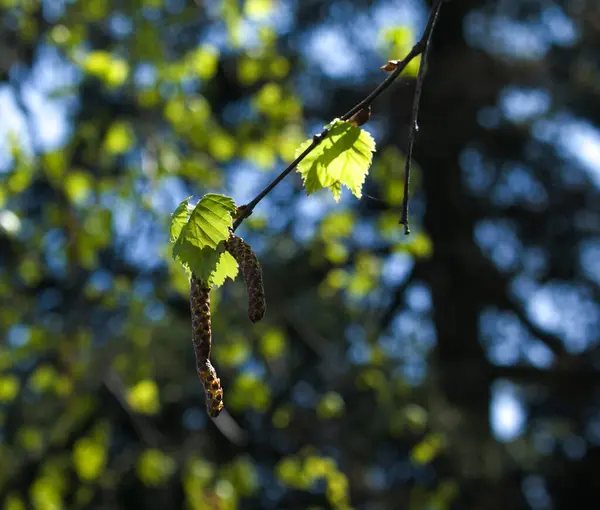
(421, 47)
(425, 43)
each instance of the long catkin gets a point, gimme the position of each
(253, 277)
(201, 339)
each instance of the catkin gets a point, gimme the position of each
(201, 339)
(252, 272)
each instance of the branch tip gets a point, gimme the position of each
(421, 47)
(360, 114)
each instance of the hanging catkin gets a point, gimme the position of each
(252, 272)
(201, 338)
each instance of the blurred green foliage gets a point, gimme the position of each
(98, 390)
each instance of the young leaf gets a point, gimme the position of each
(184, 253)
(179, 218)
(210, 221)
(199, 244)
(343, 158)
(210, 266)
(205, 263)
(227, 267)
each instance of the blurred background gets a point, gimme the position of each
(456, 368)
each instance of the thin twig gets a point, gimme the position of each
(248, 208)
(385, 84)
(421, 47)
(414, 126)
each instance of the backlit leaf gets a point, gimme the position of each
(210, 221)
(199, 241)
(343, 158)
(227, 267)
(179, 218)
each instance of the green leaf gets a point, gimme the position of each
(185, 253)
(179, 218)
(212, 266)
(210, 221)
(227, 267)
(343, 158)
(205, 263)
(199, 238)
